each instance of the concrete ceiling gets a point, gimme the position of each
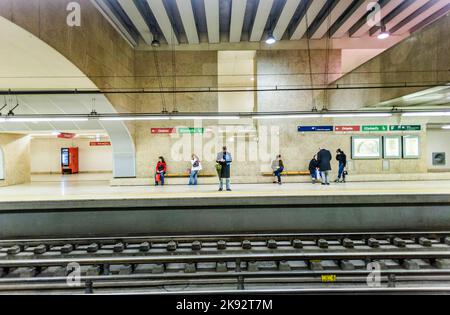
(232, 21)
(55, 104)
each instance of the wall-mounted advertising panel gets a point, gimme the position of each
(367, 147)
(411, 147)
(392, 146)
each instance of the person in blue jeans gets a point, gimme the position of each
(161, 169)
(342, 159)
(324, 164)
(278, 168)
(196, 167)
(224, 159)
(313, 170)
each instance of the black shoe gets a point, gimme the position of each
(323, 184)
(228, 189)
(328, 184)
(220, 189)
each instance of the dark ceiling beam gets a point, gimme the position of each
(175, 20)
(344, 17)
(363, 20)
(322, 17)
(391, 15)
(150, 19)
(413, 15)
(431, 18)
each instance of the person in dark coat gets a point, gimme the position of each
(313, 169)
(324, 165)
(342, 159)
(224, 159)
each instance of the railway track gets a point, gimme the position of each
(393, 262)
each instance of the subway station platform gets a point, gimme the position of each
(95, 209)
(78, 188)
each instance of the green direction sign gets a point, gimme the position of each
(191, 130)
(375, 128)
(405, 128)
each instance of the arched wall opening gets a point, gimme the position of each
(26, 62)
(2, 165)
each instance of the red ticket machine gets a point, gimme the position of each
(69, 160)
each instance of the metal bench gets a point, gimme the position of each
(181, 175)
(289, 173)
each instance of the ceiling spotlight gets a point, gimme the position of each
(384, 33)
(156, 43)
(270, 40)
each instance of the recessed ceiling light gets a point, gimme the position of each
(384, 33)
(270, 40)
(156, 43)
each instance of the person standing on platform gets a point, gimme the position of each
(224, 161)
(342, 159)
(196, 167)
(161, 169)
(313, 169)
(324, 165)
(278, 168)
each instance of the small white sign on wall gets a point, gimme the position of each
(2, 165)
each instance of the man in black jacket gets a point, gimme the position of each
(342, 159)
(324, 165)
(313, 169)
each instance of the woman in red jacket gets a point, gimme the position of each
(161, 169)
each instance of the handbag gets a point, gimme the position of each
(219, 169)
(158, 178)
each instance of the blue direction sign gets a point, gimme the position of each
(314, 128)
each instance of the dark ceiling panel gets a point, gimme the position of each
(431, 18)
(413, 15)
(363, 20)
(297, 18)
(175, 20)
(392, 15)
(225, 16)
(123, 18)
(322, 17)
(249, 17)
(274, 15)
(345, 16)
(150, 19)
(200, 16)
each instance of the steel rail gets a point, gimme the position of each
(228, 237)
(353, 290)
(26, 284)
(195, 257)
(233, 274)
